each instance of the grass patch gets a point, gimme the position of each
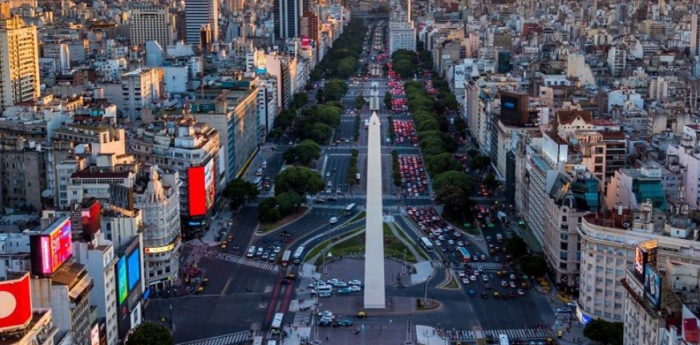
(359, 216)
(267, 227)
(393, 247)
(451, 284)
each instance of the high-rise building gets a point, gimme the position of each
(140, 88)
(19, 54)
(160, 205)
(150, 23)
(287, 14)
(309, 26)
(199, 14)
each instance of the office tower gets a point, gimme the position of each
(150, 23)
(286, 18)
(20, 65)
(198, 14)
(309, 26)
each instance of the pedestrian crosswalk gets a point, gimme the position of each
(494, 333)
(474, 265)
(248, 262)
(233, 338)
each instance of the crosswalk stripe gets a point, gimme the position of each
(511, 333)
(248, 262)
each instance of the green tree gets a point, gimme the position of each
(319, 96)
(387, 99)
(453, 179)
(334, 90)
(320, 133)
(481, 162)
(150, 334)
(346, 67)
(288, 202)
(359, 102)
(607, 333)
(516, 246)
(490, 180)
(456, 203)
(443, 162)
(239, 190)
(300, 180)
(307, 151)
(460, 125)
(268, 211)
(533, 265)
(300, 99)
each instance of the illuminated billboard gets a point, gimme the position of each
(121, 280)
(15, 303)
(640, 260)
(95, 335)
(652, 286)
(134, 269)
(305, 42)
(195, 180)
(91, 220)
(51, 248)
(202, 188)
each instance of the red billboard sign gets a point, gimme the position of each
(15, 303)
(195, 179)
(305, 42)
(91, 220)
(690, 330)
(50, 249)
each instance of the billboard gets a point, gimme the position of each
(50, 249)
(210, 183)
(15, 303)
(459, 74)
(690, 330)
(305, 42)
(641, 258)
(95, 334)
(652, 286)
(195, 180)
(91, 220)
(121, 280)
(134, 262)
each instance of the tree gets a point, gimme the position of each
(319, 96)
(150, 334)
(387, 99)
(346, 67)
(288, 202)
(268, 211)
(460, 125)
(516, 246)
(490, 180)
(300, 99)
(456, 203)
(307, 151)
(239, 190)
(607, 333)
(300, 180)
(481, 162)
(335, 89)
(320, 133)
(533, 265)
(443, 162)
(453, 179)
(359, 102)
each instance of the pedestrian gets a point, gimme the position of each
(327, 338)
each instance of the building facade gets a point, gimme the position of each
(19, 73)
(150, 23)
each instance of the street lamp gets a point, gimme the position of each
(425, 290)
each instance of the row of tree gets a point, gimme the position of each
(286, 118)
(342, 59)
(318, 122)
(291, 188)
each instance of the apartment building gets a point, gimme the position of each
(20, 56)
(140, 89)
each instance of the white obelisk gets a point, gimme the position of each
(375, 294)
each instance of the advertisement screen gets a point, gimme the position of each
(91, 220)
(50, 249)
(134, 269)
(690, 330)
(121, 280)
(209, 183)
(95, 335)
(305, 42)
(652, 286)
(61, 244)
(195, 179)
(15, 303)
(640, 259)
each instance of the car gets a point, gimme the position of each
(496, 295)
(355, 282)
(344, 323)
(328, 174)
(472, 278)
(265, 256)
(488, 286)
(460, 244)
(451, 242)
(326, 313)
(355, 288)
(200, 290)
(277, 249)
(497, 259)
(504, 283)
(361, 315)
(484, 295)
(512, 276)
(572, 305)
(332, 281)
(325, 322)
(564, 310)
(272, 258)
(465, 280)
(512, 294)
(521, 292)
(483, 257)
(477, 273)
(484, 277)
(488, 239)
(480, 269)
(344, 291)
(475, 258)
(461, 273)
(512, 285)
(471, 293)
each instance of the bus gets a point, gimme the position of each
(464, 253)
(296, 259)
(425, 242)
(276, 327)
(285, 257)
(349, 209)
(503, 339)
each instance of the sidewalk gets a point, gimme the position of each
(297, 336)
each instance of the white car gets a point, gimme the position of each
(472, 278)
(465, 280)
(564, 310)
(355, 282)
(355, 288)
(484, 277)
(332, 281)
